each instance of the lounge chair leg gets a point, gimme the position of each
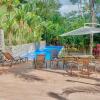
(50, 64)
(63, 66)
(2, 64)
(35, 64)
(10, 64)
(26, 59)
(46, 65)
(20, 61)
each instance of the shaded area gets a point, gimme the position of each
(56, 96)
(29, 77)
(84, 76)
(23, 72)
(73, 81)
(85, 89)
(72, 75)
(3, 71)
(54, 71)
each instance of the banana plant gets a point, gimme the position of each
(2, 18)
(20, 16)
(10, 26)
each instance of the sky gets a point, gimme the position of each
(67, 7)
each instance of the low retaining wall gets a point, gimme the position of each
(21, 50)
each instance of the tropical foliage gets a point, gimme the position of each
(26, 21)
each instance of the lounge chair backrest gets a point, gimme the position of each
(86, 61)
(80, 61)
(67, 59)
(54, 53)
(40, 57)
(8, 56)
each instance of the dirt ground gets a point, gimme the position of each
(23, 82)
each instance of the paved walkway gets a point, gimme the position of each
(22, 82)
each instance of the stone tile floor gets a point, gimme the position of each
(23, 82)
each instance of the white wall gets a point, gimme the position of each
(2, 40)
(20, 50)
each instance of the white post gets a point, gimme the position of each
(2, 44)
(93, 21)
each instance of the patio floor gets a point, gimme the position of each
(22, 82)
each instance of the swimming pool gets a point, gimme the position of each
(46, 51)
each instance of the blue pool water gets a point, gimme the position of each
(46, 51)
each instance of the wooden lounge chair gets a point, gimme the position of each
(11, 59)
(39, 61)
(55, 59)
(86, 66)
(71, 64)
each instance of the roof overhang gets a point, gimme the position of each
(82, 31)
